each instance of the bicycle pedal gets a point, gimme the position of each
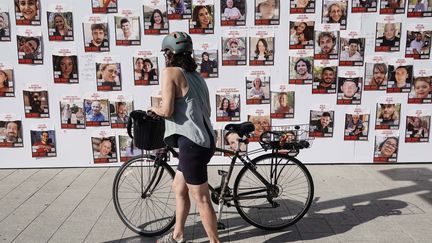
(222, 173)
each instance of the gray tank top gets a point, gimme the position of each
(191, 113)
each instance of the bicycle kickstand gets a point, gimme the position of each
(220, 225)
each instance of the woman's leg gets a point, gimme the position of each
(182, 204)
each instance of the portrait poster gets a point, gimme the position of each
(302, 6)
(11, 131)
(419, 9)
(127, 28)
(126, 148)
(386, 146)
(388, 34)
(421, 91)
(400, 72)
(325, 73)
(418, 41)
(364, 6)
(282, 102)
(335, 12)
(60, 23)
(121, 106)
(7, 80)
(108, 73)
(104, 146)
(96, 110)
(96, 34)
(392, 6)
(207, 59)
(156, 100)
(227, 104)
(326, 41)
(27, 12)
(417, 128)
(301, 66)
(356, 124)
(29, 45)
(230, 142)
(203, 17)
(321, 121)
(261, 47)
(260, 117)
(72, 112)
(350, 86)
(234, 47)
(218, 133)
(36, 103)
(5, 23)
(179, 9)
(233, 12)
(104, 6)
(155, 17)
(146, 69)
(352, 48)
(301, 34)
(376, 73)
(257, 88)
(43, 141)
(267, 12)
(388, 113)
(65, 65)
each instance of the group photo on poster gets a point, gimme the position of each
(72, 113)
(417, 128)
(356, 125)
(321, 123)
(302, 6)
(179, 9)
(96, 35)
(11, 132)
(127, 30)
(202, 21)
(233, 12)
(227, 106)
(301, 34)
(267, 12)
(155, 18)
(96, 112)
(387, 116)
(108, 77)
(65, 68)
(207, 60)
(145, 70)
(335, 12)
(104, 6)
(376, 74)
(386, 147)
(261, 50)
(392, 7)
(104, 148)
(120, 113)
(257, 89)
(418, 44)
(234, 51)
(60, 26)
(7, 81)
(43, 143)
(388, 37)
(325, 75)
(36, 103)
(27, 12)
(230, 142)
(326, 44)
(29, 48)
(5, 32)
(282, 104)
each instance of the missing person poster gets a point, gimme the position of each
(36, 103)
(364, 6)
(5, 23)
(400, 73)
(262, 47)
(392, 7)
(120, 107)
(335, 12)
(388, 112)
(357, 124)
(227, 104)
(233, 12)
(260, 117)
(350, 82)
(104, 146)
(302, 29)
(282, 102)
(11, 131)
(386, 146)
(421, 91)
(29, 45)
(126, 148)
(419, 9)
(418, 126)
(326, 41)
(60, 23)
(234, 47)
(376, 73)
(104, 6)
(146, 71)
(388, 34)
(28, 12)
(155, 17)
(96, 110)
(96, 34)
(65, 66)
(302, 6)
(7, 80)
(417, 41)
(108, 73)
(301, 67)
(325, 75)
(127, 28)
(257, 88)
(267, 12)
(72, 112)
(179, 9)
(203, 17)
(43, 141)
(206, 57)
(321, 121)
(352, 48)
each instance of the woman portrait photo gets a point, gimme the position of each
(29, 47)
(144, 69)
(232, 10)
(283, 102)
(387, 149)
(208, 66)
(60, 25)
(108, 76)
(267, 10)
(178, 9)
(261, 123)
(27, 12)
(65, 67)
(421, 88)
(418, 127)
(4, 26)
(262, 50)
(223, 109)
(301, 33)
(158, 20)
(256, 91)
(202, 17)
(336, 12)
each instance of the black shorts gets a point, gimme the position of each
(193, 160)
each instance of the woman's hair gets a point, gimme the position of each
(66, 25)
(102, 68)
(266, 52)
(222, 102)
(148, 61)
(27, 39)
(280, 95)
(259, 5)
(59, 59)
(260, 82)
(308, 64)
(196, 13)
(183, 60)
(152, 21)
(385, 140)
(205, 54)
(6, 81)
(339, 5)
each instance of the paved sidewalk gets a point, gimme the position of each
(353, 203)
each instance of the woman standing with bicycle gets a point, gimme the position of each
(186, 109)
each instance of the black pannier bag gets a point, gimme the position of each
(148, 132)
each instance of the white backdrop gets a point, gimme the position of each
(74, 146)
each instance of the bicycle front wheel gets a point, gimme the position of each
(279, 205)
(143, 196)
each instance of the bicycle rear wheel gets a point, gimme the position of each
(143, 196)
(283, 203)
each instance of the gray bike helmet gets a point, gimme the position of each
(177, 42)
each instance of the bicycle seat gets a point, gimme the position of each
(242, 128)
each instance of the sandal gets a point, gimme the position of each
(168, 238)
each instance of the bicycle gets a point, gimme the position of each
(271, 191)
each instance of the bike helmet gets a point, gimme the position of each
(177, 42)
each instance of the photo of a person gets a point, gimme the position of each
(376, 76)
(267, 10)
(419, 8)
(27, 12)
(104, 149)
(302, 69)
(400, 79)
(157, 21)
(208, 66)
(71, 114)
(44, 144)
(326, 45)
(65, 69)
(321, 124)
(356, 126)
(351, 51)
(228, 107)
(421, 89)
(6, 83)
(325, 80)
(36, 104)
(99, 38)
(66, 114)
(392, 7)
(261, 123)
(202, 17)
(349, 91)
(59, 26)
(336, 12)
(386, 150)
(302, 6)
(127, 151)
(223, 109)
(417, 127)
(176, 7)
(282, 103)
(235, 50)
(4, 27)
(364, 6)
(262, 51)
(418, 44)
(301, 34)
(108, 76)
(231, 141)
(389, 39)
(145, 72)
(387, 116)
(120, 114)
(95, 111)
(11, 132)
(230, 11)
(256, 92)
(30, 48)
(104, 6)
(125, 30)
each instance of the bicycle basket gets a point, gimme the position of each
(290, 137)
(148, 132)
